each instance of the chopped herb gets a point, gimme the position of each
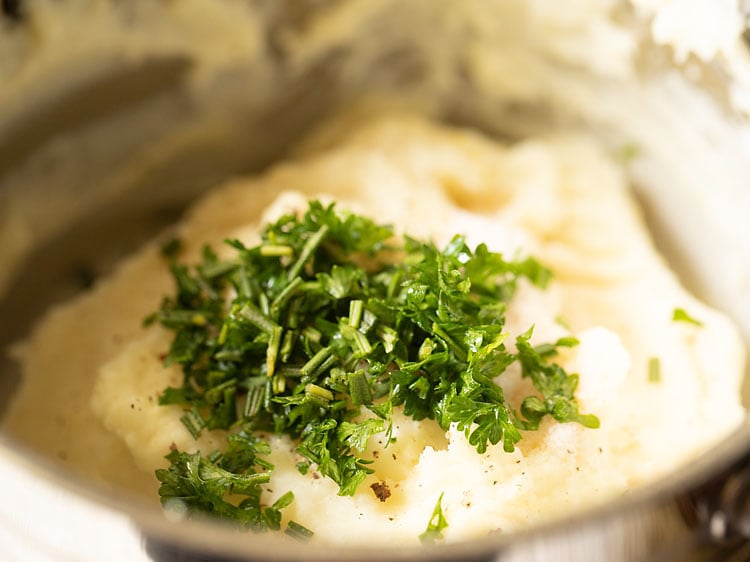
(318, 333)
(654, 370)
(436, 525)
(681, 315)
(297, 531)
(561, 321)
(200, 485)
(171, 248)
(628, 152)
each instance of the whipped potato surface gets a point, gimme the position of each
(93, 374)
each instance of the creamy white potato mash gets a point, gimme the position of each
(92, 373)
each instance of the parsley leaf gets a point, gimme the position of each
(197, 484)
(437, 524)
(681, 315)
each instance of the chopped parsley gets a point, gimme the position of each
(320, 332)
(437, 524)
(681, 315)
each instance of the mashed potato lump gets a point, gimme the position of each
(561, 199)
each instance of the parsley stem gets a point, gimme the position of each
(459, 351)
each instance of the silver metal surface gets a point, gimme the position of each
(699, 514)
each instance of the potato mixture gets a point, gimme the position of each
(664, 388)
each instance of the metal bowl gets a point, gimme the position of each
(105, 141)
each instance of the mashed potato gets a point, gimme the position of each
(93, 374)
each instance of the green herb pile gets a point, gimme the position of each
(329, 318)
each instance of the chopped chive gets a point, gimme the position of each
(285, 295)
(243, 283)
(225, 410)
(287, 345)
(329, 362)
(267, 394)
(393, 284)
(276, 250)
(250, 313)
(293, 313)
(359, 389)
(254, 400)
(272, 350)
(368, 321)
(223, 334)
(219, 269)
(307, 250)
(356, 308)
(316, 360)
(312, 334)
(264, 304)
(361, 346)
(194, 422)
(289, 371)
(388, 336)
(278, 384)
(297, 531)
(233, 355)
(318, 394)
(216, 393)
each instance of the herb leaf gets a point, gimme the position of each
(681, 315)
(437, 524)
(201, 485)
